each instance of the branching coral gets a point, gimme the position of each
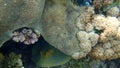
(110, 25)
(86, 36)
(87, 41)
(103, 45)
(108, 46)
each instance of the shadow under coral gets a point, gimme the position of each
(40, 54)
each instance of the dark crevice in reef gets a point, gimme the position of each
(25, 50)
(98, 31)
(18, 48)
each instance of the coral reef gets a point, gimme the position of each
(86, 36)
(45, 55)
(108, 46)
(15, 14)
(26, 35)
(58, 25)
(102, 3)
(72, 29)
(86, 62)
(11, 61)
(2, 59)
(114, 11)
(77, 31)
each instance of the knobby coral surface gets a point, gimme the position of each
(98, 35)
(108, 43)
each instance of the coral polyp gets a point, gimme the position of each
(26, 35)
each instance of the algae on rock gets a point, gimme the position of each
(15, 14)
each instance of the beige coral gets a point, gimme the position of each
(86, 36)
(108, 24)
(108, 46)
(83, 21)
(119, 18)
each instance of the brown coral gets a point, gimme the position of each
(100, 3)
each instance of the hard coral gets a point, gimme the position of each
(108, 46)
(114, 11)
(101, 3)
(26, 35)
(86, 36)
(84, 20)
(13, 60)
(15, 14)
(109, 25)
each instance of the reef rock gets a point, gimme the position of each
(15, 14)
